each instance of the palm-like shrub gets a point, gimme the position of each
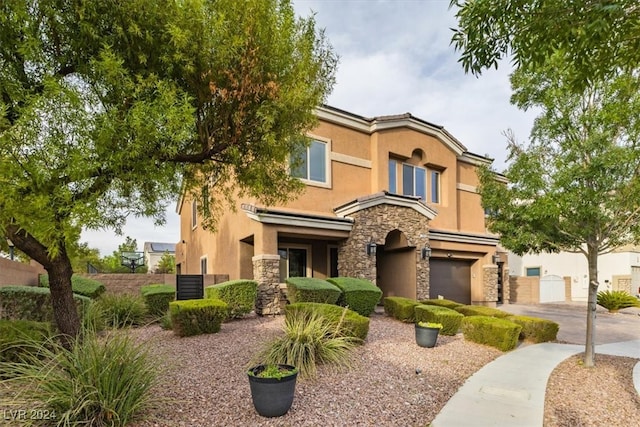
(309, 340)
(99, 381)
(617, 300)
(121, 310)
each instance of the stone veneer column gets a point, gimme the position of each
(490, 284)
(506, 288)
(266, 271)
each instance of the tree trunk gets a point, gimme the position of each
(589, 350)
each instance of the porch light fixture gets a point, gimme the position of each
(495, 258)
(371, 248)
(426, 252)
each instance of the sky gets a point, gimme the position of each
(395, 58)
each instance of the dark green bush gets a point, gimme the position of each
(499, 333)
(80, 285)
(450, 319)
(617, 300)
(441, 303)
(535, 329)
(400, 308)
(240, 295)
(32, 303)
(309, 289)
(360, 295)
(197, 316)
(480, 310)
(353, 324)
(157, 298)
(21, 337)
(122, 310)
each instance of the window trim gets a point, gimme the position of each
(327, 163)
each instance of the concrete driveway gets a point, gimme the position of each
(572, 318)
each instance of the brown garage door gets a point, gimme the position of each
(450, 279)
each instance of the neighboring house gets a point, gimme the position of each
(153, 251)
(619, 270)
(391, 199)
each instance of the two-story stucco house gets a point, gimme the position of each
(391, 199)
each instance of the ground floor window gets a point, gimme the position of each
(294, 261)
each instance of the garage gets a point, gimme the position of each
(450, 279)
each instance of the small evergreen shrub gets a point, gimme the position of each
(480, 310)
(122, 310)
(197, 316)
(441, 303)
(351, 323)
(617, 300)
(20, 338)
(80, 285)
(32, 303)
(157, 298)
(499, 333)
(360, 295)
(240, 295)
(535, 329)
(400, 308)
(309, 289)
(450, 319)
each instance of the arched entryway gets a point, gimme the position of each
(396, 266)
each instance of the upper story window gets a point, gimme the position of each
(311, 164)
(393, 176)
(194, 214)
(532, 271)
(435, 186)
(414, 181)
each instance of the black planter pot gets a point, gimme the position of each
(272, 397)
(426, 337)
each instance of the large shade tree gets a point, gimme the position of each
(107, 107)
(574, 187)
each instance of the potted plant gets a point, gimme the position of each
(427, 333)
(272, 388)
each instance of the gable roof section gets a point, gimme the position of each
(385, 198)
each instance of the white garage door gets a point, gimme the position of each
(551, 289)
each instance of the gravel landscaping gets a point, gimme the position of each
(393, 381)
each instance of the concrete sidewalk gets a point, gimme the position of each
(510, 391)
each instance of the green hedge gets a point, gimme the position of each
(360, 295)
(240, 295)
(309, 289)
(400, 308)
(450, 319)
(157, 298)
(441, 303)
(535, 329)
(80, 285)
(197, 316)
(499, 333)
(32, 303)
(21, 337)
(353, 324)
(480, 310)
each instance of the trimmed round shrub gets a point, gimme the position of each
(352, 324)
(441, 302)
(499, 333)
(535, 329)
(360, 295)
(450, 319)
(122, 310)
(309, 289)
(480, 310)
(400, 308)
(19, 338)
(157, 298)
(240, 295)
(197, 316)
(32, 303)
(80, 285)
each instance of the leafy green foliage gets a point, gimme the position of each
(122, 310)
(80, 285)
(198, 316)
(617, 300)
(99, 381)
(346, 323)
(360, 295)
(113, 263)
(441, 302)
(400, 308)
(309, 289)
(479, 310)
(499, 333)
(272, 371)
(536, 330)
(450, 319)
(167, 264)
(32, 303)
(18, 336)
(309, 339)
(430, 325)
(240, 295)
(157, 298)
